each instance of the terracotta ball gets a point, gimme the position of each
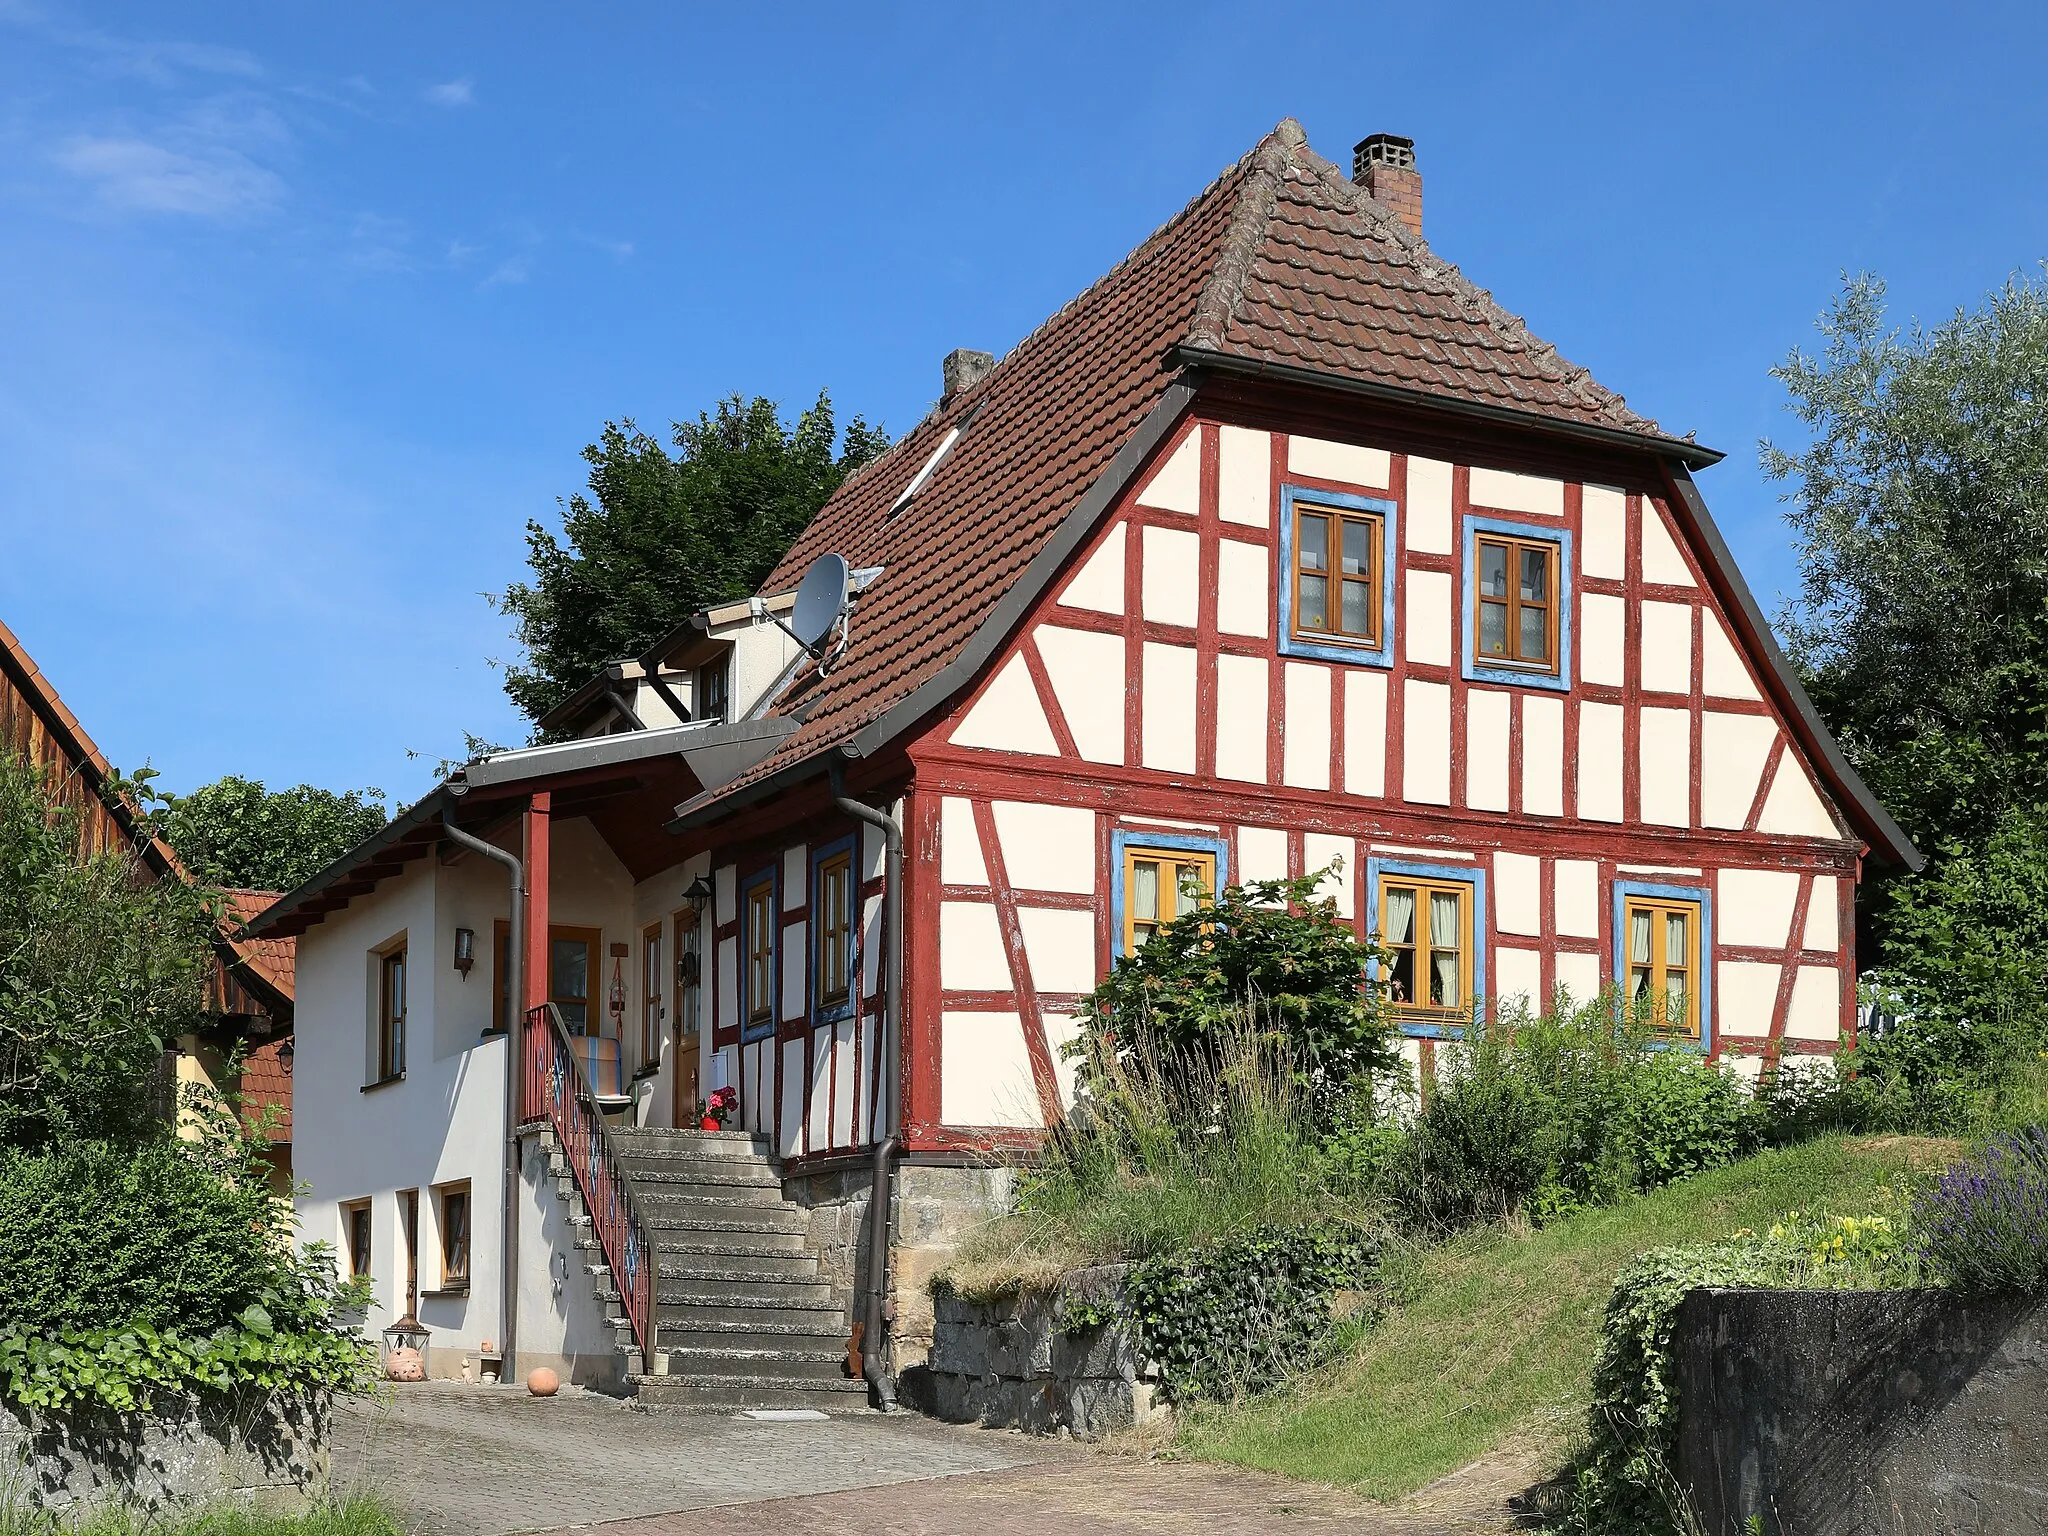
(405, 1365)
(543, 1382)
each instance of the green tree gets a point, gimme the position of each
(234, 832)
(1920, 507)
(660, 536)
(101, 966)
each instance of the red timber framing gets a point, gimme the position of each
(1570, 813)
(536, 826)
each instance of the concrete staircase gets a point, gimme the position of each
(744, 1317)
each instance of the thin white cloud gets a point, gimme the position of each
(135, 174)
(452, 93)
(510, 271)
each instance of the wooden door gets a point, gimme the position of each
(689, 1015)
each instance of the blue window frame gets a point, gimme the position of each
(760, 952)
(835, 930)
(1291, 644)
(1124, 844)
(1478, 671)
(1700, 964)
(1424, 936)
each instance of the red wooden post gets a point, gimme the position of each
(534, 837)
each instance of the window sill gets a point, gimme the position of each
(493, 1034)
(1508, 674)
(446, 1293)
(382, 1082)
(652, 1069)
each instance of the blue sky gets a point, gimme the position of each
(305, 311)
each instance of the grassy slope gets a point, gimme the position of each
(1497, 1343)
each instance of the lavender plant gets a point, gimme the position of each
(1983, 1226)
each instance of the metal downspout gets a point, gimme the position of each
(508, 1218)
(881, 1193)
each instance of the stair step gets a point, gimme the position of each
(723, 1211)
(712, 1172)
(818, 1338)
(752, 1392)
(654, 1186)
(689, 1290)
(679, 1240)
(742, 1144)
(686, 1265)
(712, 1365)
(681, 1317)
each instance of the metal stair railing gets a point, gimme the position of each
(557, 1092)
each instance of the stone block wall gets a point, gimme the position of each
(1840, 1413)
(936, 1206)
(181, 1450)
(1011, 1364)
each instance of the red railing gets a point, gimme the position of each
(557, 1092)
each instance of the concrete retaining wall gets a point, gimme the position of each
(1010, 1364)
(182, 1450)
(1825, 1413)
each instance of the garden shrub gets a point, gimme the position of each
(93, 1235)
(1478, 1150)
(1273, 946)
(1983, 1225)
(1242, 1314)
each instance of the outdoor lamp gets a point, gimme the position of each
(285, 1053)
(465, 950)
(699, 894)
(405, 1350)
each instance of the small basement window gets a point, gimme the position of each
(455, 1235)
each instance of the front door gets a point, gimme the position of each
(689, 1016)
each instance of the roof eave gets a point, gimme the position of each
(1235, 365)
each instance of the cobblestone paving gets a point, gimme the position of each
(481, 1461)
(474, 1461)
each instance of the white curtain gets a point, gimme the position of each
(1400, 915)
(1445, 932)
(1638, 953)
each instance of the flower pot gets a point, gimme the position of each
(709, 1124)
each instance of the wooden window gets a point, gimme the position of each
(1161, 884)
(355, 1231)
(1514, 589)
(453, 1200)
(832, 918)
(760, 944)
(1337, 575)
(687, 928)
(1426, 929)
(409, 1206)
(572, 971)
(391, 1013)
(651, 978)
(1662, 939)
(710, 694)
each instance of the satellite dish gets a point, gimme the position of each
(820, 600)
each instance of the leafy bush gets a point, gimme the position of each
(1272, 946)
(1242, 1314)
(95, 1236)
(1983, 1226)
(1621, 1483)
(101, 966)
(1546, 1115)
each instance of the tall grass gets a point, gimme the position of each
(1166, 1151)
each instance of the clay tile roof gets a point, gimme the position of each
(1280, 259)
(275, 960)
(267, 1086)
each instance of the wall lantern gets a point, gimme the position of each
(405, 1350)
(465, 950)
(699, 894)
(285, 1053)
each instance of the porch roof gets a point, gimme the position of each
(625, 785)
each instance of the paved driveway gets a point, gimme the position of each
(477, 1461)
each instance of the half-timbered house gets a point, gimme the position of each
(1282, 548)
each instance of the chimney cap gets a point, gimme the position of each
(1388, 149)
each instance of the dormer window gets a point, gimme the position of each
(711, 692)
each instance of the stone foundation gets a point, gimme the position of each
(1010, 1364)
(936, 1206)
(182, 1450)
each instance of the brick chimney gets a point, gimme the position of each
(1385, 166)
(965, 368)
